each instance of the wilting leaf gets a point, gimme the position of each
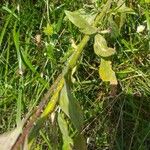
(8, 139)
(106, 73)
(70, 106)
(80, 22)
(101, 48)
(67, 141)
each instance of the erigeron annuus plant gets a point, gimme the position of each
(89, 24)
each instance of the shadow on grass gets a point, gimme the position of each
(119, 123)
(127, 123)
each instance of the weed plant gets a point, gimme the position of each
(36, 40)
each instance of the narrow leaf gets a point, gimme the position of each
(70, 107)
(125, 9)
(100, 47)
(67, 141)
(79, 142)
(27, 61)
(4, 28)
(106, 73)
(114, 27)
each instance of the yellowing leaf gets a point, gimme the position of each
(48, 30)
(147, 1)
(106, 73)
(101, 48)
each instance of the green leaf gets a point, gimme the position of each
(114, 27)
(3, 30)
(79, 142)
(67, 140)
(50, 52)
(70, 107)
(89, 16)
(27, 61)
(101, 48)
(147, 1)
(76, 18)
(106, 73)
(89, 30)
(48, 30)
(17, 45)
(124, 9)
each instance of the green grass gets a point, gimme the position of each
(28, 69)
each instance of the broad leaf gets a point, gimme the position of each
(67, 141)
(101, 48)
(106, 73)
(70, 107)
(89, 30)
(77, 19)
(89, 16)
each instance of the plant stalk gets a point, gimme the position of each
(40, 116)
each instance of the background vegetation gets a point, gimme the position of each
(36, 40)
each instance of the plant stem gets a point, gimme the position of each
(50, 107)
